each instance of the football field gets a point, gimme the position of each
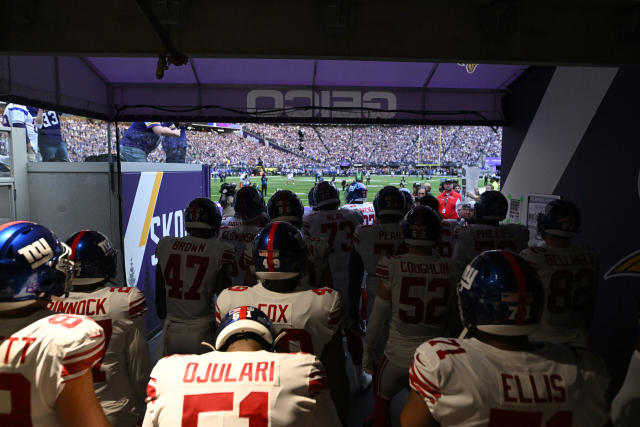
(304, 183)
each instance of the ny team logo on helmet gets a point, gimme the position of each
(422, 227)
(356, 193)
(389, 201)
(325, 194)
(33, 263)
(559, 218)
(94, 258)
(202, 213)
(284, 205)
(279, 252)
(245, 322)
(248, 203)
(501, 294)
(492, 205)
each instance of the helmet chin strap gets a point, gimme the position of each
(278, 338)
(464, 333)
(206, 344)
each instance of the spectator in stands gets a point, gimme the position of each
(176, 148)
(141, 138)
(18, 116)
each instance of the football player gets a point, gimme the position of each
(190, 271)
(45, 358)
(568, 274)
(250, 211)
(356, 198)
(450, 228)
(371, 243)
(285, 206)
(312, 201)
(415, 293)
(337, 227)
(120, 379)
(497, 377)
(243, 383)
(311, 318)
(408, 199)
(487, 233)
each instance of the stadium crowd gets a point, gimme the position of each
(321, 145)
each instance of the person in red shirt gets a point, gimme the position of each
(447, 201)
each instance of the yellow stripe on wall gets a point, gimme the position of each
(150, 209)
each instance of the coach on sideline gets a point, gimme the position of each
(141, 138)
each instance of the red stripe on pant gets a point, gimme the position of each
(381, 406)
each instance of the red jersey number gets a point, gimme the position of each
(173, 279)
(254, 407)
(425, 307)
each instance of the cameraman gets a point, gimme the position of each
(227, 196)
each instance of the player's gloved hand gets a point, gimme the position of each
(369, 361)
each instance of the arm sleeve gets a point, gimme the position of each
(151, 413)
(81, 344)
(139, 364)
(379, 315)
(325, 413)
(423, 376)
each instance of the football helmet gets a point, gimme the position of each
(94, 258)
(409, 203)
(431, 201)
(249, 203)
(356, 193)
(279, 252)
(311, 197)
(285, 206)
(34, 264)
(492, 205)
(389, 201)
(422, 226)
(559, 218)
(325, 194)
(500, 293)
(202, 213)
(245, 322)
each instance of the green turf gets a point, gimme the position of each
(304, 183)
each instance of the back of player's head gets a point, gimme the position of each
(279, 252)
(501, 294)
(285, 206)
(326, 196)
(202, 214)
(245, 322)
(311, 197)
(356, 193)
(34, 264)
(560, 218)
(491, 206)
(248, 203)
(422, 226)
(389, 202)
(409, 203)
(94, 258)
(429, 200)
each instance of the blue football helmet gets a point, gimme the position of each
(279, 252)
(94, 258)
(389, 201)
(34, 264)
(311, 197)
(409, 203)
(245, 322)
(422, 226)
(202, 213)
(325, 194)
(249, 203)
(356, 193)
(559, 218)
(284, 205)
(500, 293)
(492, 205)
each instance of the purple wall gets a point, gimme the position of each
(602, 179)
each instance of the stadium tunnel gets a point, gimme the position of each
(567, 130)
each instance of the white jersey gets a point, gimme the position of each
(318, 252)
(421, 288)
(470, 383)
(569, 279)
(241, 238)
(230, 221)
(249, 388)
(477, 238)
(337, 227)
(120, 379)
(16, 115)
(189, 265)
(38, 355)
(366, 209)
(310, 317)
(448, 238)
